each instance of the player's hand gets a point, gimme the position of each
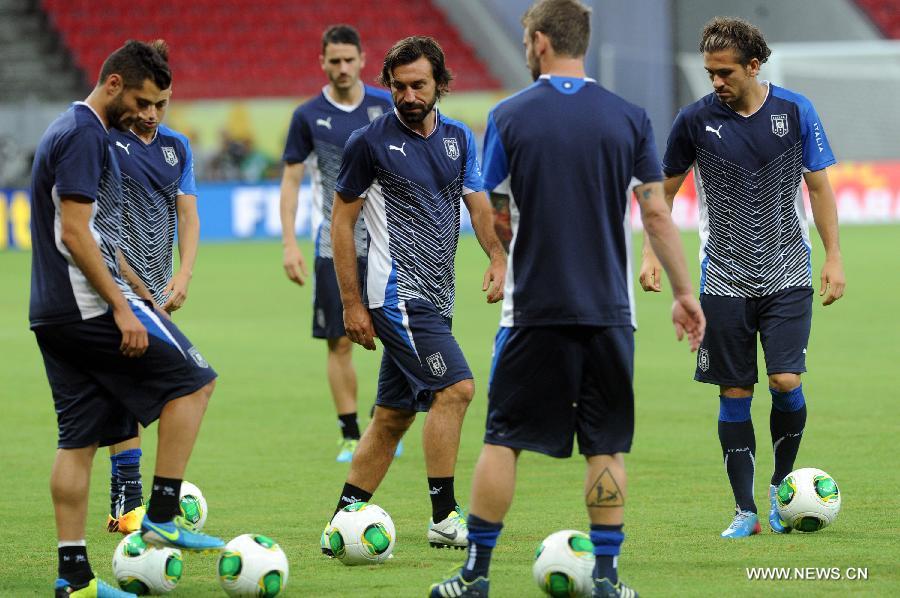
(651, 273)
(295, 265)
(495, 279)
(134, 334)
(688, 318)
(177, 290)
(833, 281)
(358, 325)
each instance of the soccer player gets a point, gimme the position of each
(407, 172)
(559, 159)
(111, 361)
(158, 191)
(319, 129)
(751, 144)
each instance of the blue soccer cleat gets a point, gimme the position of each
(177, 534)
(603, 588)
(346, 447)
(457, 586)
(399, 451)
(96, 588)
(775, 522)
(744, 524)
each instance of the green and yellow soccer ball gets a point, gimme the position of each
(253, 565)
(144, 569)
(808, 500)
(193, 506)
(564, 564)
(362, 534)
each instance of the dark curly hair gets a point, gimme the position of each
(136, 62)
(722, 33)
(409, 50)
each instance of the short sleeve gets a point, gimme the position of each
(357, 167)
(646, 160)
(299, 142)
(472, 182)
(680, 149)
(496, 165)
(79, 160)
(817, 152)
(187, 185)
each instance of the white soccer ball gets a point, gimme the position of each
(142, 569)
(253, 565)
(564, 564)
(362, 534)
(193, 506)
(808, 500)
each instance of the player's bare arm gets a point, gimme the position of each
(294, 263)
(483, 222)
(651, 270)
(357, 321)
(188, 242)
(75, 215)
(502, 224)
(687, 316)
(824, 209)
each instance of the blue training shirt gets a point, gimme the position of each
(412, 187)
(754, 236)
(317, 135)
(567, 151)
(73, 158)
(153, 176)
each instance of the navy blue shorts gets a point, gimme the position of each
(328, 310)
(100, 395)
(549, 384)
(420, 355)
(727, 356)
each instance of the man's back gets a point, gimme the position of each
(566, 151)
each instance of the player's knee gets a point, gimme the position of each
(340, 347)
(394, 421)
(784, 382)
(462, 391)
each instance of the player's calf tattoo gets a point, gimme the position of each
(605, 492)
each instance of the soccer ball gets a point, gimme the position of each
(808, 500)
(144, 569)
(193, 506)
(362, 534)
(253, 565)
(564, 564)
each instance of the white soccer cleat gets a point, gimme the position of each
(452, 532)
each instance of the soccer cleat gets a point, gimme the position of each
(452, 532)
(399, 450)
(112, 524)
(131, 521)
(324, 542)
(603, 588)
(347, 446)
(457, 586)
(96, 588)
(177, 534)
(744, 524)
(775, 522)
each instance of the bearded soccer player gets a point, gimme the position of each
(111, 360)
(408, 172)
(751, 145)
(319, 129)
(159, 194)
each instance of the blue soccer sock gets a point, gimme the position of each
(482, 539)
(738, 449)
(786, 422)
(607, 541)
(115, 489)
(128, 466)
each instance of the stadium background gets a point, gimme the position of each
(240, 69)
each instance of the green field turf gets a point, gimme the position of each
(265, 458)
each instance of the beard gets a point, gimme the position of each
(534, 65)
(414, 112)
(115, 112)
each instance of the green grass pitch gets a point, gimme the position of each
(265, 457)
